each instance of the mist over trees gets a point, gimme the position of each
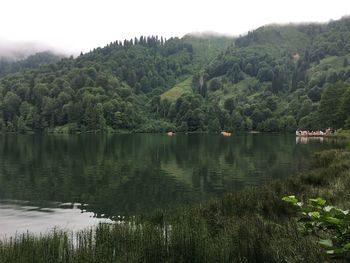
(276, 78)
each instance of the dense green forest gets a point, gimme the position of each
(275, 78)
(8, 65)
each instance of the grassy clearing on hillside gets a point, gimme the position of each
(207, 47)
(178, 90)
(253, 225)
(241, 88)
(334, 63)
(287, 37)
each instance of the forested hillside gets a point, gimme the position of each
(282, 78)
(8, 66)
(275, 78)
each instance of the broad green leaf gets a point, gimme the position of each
(339, 251)
(290, 199)
(319, 201)
(300, 204)
(332, 220)
(347, 246)
(327, 243)
(314, 214)
(328, 208)
(344, 212)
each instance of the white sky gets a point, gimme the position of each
(75, 25)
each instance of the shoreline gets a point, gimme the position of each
(342, 133)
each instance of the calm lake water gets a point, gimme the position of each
(75, 181)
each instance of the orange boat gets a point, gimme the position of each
(226, 134)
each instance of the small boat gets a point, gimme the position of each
(226, 134)
(170, 133)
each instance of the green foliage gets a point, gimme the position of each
(299, 71)
(32, 62)
(107, 87)
(229, 105)
(215, 84)
(214, 125)
(334, 104)
(331, 224)
(207, 47)
(178, 90)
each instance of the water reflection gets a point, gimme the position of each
(20, 216)
(308, 139)
(128, 174)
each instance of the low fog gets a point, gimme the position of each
(14, 51)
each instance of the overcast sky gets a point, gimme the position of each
(81, 25)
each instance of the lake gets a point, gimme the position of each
(76, 181)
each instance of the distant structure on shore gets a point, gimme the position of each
(327, 132)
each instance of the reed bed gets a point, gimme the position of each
(252, 225)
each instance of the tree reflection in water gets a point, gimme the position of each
(126, 174)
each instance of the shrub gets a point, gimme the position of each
(329, 223)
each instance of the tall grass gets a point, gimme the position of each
(252, 225)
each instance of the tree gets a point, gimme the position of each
(229, 105)
(155, 104)
(11, 105)
(39, 92)
(199, 85)
(345, 105)
(249, 69)
(260, 115)
(21, 126)
(246, 125)
(2, 125)
(73, 112)
(332, 76)
(278, 80)
(269, 125)
(310, 122)
(289, 124)
(214, 125)
(194, 119)
(305, 107)
(265, 74)
(236, 120)
(94, 118)
(183, 127)
(271, 102)
(315, 94)
(329, 110)
(164, 107)
(215, 84)
(49, 110)
(235, 74)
